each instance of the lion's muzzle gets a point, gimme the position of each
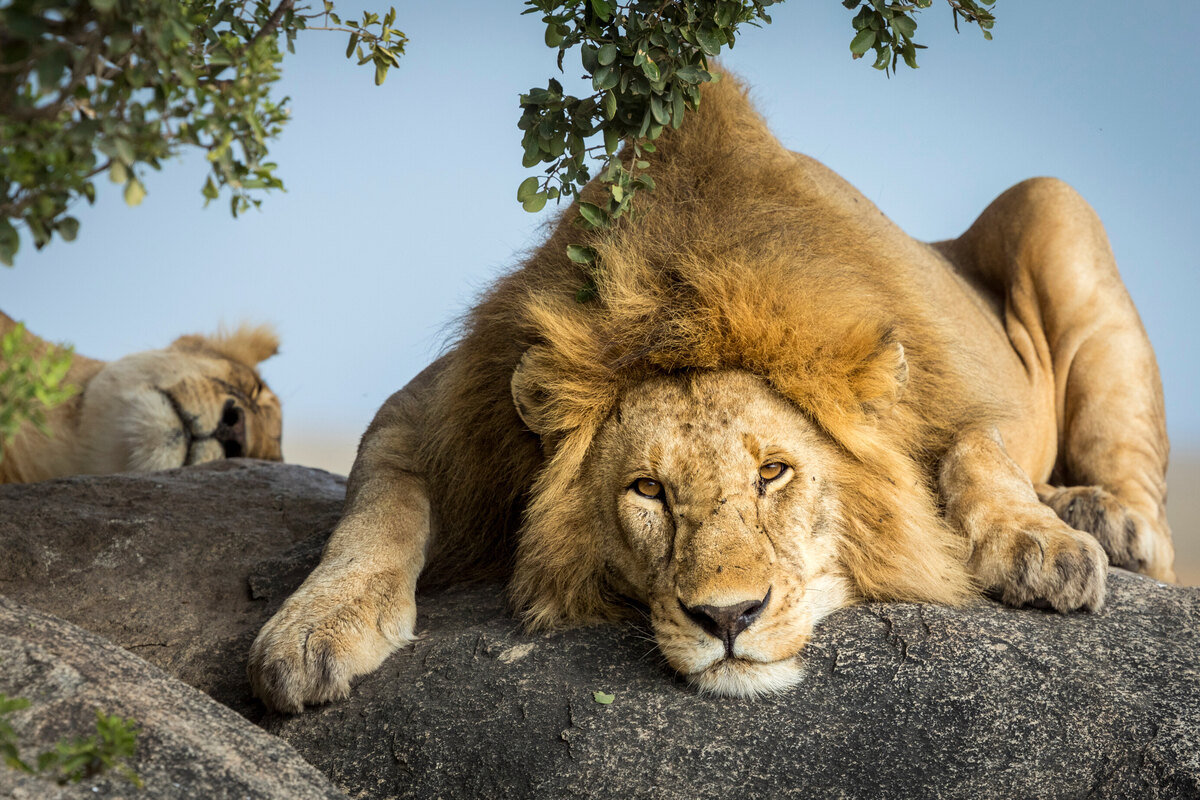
(726, 622)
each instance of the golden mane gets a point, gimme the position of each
(729, 263)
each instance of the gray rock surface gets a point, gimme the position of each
(161, 563)
(898, 700)
(188, 745)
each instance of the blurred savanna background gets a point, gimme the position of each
(400, 202)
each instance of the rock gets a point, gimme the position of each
(898, 700)
(161, 563)
(188, 745)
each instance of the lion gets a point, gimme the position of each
(201, 399)
(776, 405)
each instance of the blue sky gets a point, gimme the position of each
(400, 203)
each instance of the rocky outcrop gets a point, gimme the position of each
(188, 745)
(162, 563)
(898, 700)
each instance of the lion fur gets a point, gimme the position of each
(736, 260)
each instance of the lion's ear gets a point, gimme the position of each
(527, 394)
(248, 344)
(881, 382)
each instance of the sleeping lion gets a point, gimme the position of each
(201, 399)
(777, 405)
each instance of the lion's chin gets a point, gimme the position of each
(736, 677)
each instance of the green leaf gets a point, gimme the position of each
(534, 203)
(607, 55)
(581, 254)
(610, 105)
(884, 57)
(67, 228)
(605, 78)
(711, 39)
(10, 242)
(862, 42)
(677, 110)
(590, 58)
(904, 25)
(50, 69)
(527, 189)
(603, 9)
(612, 140)
(593, 215)
(134, 192)
(554, 35)
(124, 150)
(603, 698)
(691, 75)
(656, 108)
(380, 73)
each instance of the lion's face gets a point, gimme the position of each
(194, 402)
(719, 496)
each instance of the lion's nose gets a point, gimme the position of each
(726, 622)
(231, 430)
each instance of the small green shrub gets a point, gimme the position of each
(29, 385)
(74, 760)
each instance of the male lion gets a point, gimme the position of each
(777, 405)
(199, 400)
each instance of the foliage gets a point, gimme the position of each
(93, 86)
(29, 385)
(646, 60)
(72, 761)
(8, 737)
(888, 28)
(117, 85)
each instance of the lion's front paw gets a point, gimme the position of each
(1129, 539)
(1042, 562)
(318, 642)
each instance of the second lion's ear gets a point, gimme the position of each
(528, 396)
(248, 344)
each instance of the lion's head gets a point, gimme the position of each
(724, 501)
(722, 506)
(201, 399)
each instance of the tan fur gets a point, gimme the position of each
(199, 400)
(757, 309)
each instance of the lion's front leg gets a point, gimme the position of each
(1019, 549)
(358, 606)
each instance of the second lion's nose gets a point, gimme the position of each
(231, 430)
(726, 622)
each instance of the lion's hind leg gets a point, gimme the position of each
(1128, 537)
(1042, 247)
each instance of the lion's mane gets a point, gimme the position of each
(729, 263)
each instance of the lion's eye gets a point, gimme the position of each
(771, 471)
(648, 487)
